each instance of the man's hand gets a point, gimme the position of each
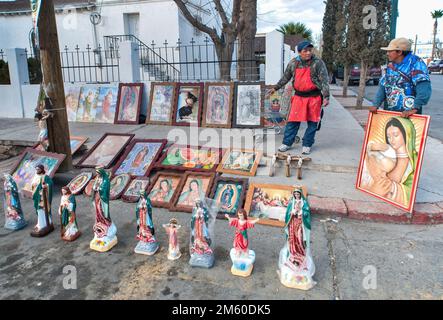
(408, 113)
(373, 109)
(270, 93)
(325, 102)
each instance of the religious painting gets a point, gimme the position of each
(188, 104)
(161, 103)
(190, 158)
(129, 103)
(23, 171)
(106, 104)
(218, 104)
(194, 186)
(106, 150)
(137, 185)
(87, 104)
(72, 95)
(76, 143)
(80, 182)
(248, 106)
(242, 162)
(163, 188)
(391, 157)
(269, 202)
(229, 195)
(275, 108)
(118, 185)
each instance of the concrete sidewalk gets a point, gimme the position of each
(330, 177)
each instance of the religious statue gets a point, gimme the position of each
(69, 227)
(41, 115)
(242, 258)
(295, 261)
(147, 244)
(14, 217)
(41, 187)
(173, 248)
(200, 246)
(105, 231)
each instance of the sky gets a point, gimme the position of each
(414, 16)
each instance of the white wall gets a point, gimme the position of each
(10, 106)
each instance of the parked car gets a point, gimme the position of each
(374, 74)
(436, 66)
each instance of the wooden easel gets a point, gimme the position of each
(288, 160)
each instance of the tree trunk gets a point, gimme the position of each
(361, 88)
(247, 64)
(345, 79)
(435, 39)
(224, 55)
(58, 127)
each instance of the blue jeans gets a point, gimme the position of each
(291, 130)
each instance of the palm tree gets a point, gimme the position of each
(437, 14)
(297, 28)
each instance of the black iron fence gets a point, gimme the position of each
(4, 69)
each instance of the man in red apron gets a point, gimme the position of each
(311, 85)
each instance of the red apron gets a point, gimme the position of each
(304, 109)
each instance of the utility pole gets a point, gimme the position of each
(415, 44)
(58, 127)
(394, 16)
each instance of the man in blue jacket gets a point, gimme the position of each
(406, 86)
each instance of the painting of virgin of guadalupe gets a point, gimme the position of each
(140, 157)
(218, 104)
(229, 195)
(106, 104)
(161, 103)
(194, 186)
(391, 157)
(129, 102)
(163, 189)
(87, 104)
(248, 107)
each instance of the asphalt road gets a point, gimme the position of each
(434, 107)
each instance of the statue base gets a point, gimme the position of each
(146, 248)
(202, 260)
(293, 276)
(102, 244)
(42, 232)
(72, 237)
(15, 225)
(243, 264)
(174, 256)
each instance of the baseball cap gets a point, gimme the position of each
(304, 44)
(401, 44)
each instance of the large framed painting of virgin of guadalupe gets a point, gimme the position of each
(128, 103)
(140, 157)
(218, 104)
(229, 195)
(188, 104)
(163, 188)
(161, 103)
(391, 157)
(248, 105)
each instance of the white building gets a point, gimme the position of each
(424, 50)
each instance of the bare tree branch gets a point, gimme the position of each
(221, 12)
(236, 13)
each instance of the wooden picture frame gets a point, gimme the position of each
(176, 206)
(79, 188)
(226, 157)
(137, 104)
(82, 141)
(178, 100)
(156, 183)
(113, 194)
(241, 197)
(114, 155)
(280, 210)
(140, 171)
(239, 95)
(207, 104)
(195, 155)
(171, 102)
(132, 198)
(23, 170)
(376, 164)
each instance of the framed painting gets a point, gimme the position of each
(217, 109)
(275, 108)
(391, 157)
(188, 104)
(161, 103)
(79, 182)
(248, 106)
(229, 194)
(132, 192)
(106, 104)
(190, 158)
(23, 171)
(118, 185)
(163, 188)
(269, 202)
(75, 142)
(242, 162)
(194, 186)
(106, 150)
(140, 157)
(129, 103)
(72, 94)
(87, 104)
